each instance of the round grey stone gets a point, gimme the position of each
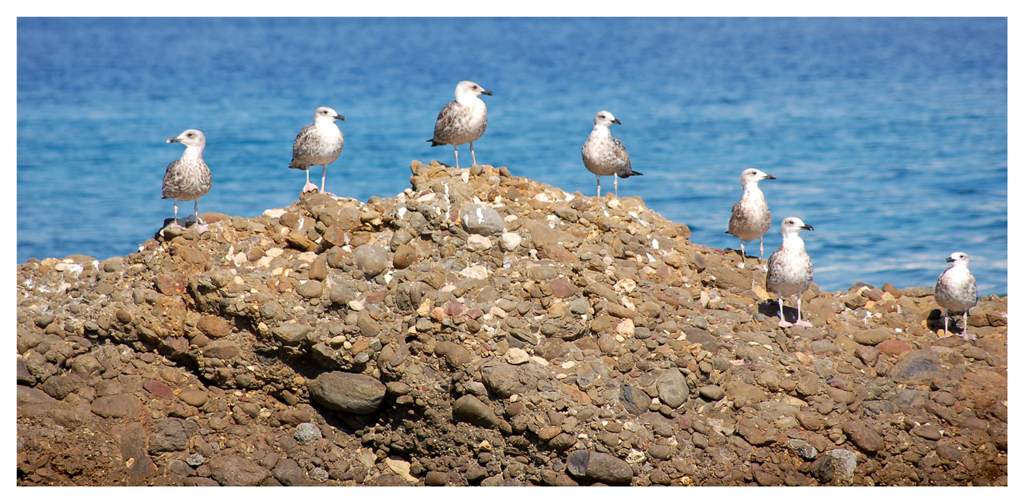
(310, 289)
(481, 219)
(370, 259)
(307, 433)
(672, 388)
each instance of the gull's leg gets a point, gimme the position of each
(800, 322)
(456, 156)
(323, 180)
(308, 187)
(760, 261)
(200, 226)
(945, 321)
(963, 334)
(598, 185)
(471, 151)
(175, 223)
(782, 315)
(616, 177)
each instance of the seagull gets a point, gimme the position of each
(188, 178)
(956, 291)
(751, 217)
(463, 120)
(318, 144)
(789, 268)
(604, 155)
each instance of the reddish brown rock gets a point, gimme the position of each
(562, 288)
(214, 326)
(894, 347)
(159, 389)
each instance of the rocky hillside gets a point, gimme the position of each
(486, 329)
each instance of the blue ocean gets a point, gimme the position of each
(889, 136)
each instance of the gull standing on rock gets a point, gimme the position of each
(789, 268)
(751, 217)
(318, 144)
(463, 120)
(188, 178)
(956, 291)
(604, 155)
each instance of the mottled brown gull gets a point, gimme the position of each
(318, 144)
(463, 120)
(188, 178)
(604, 155)
(789, 268)
(956, 291)
(751, 217)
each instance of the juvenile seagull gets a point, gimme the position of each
(956, 290)
(463, 120)
(318, 144)
(188, 178)
(789, 268)
(751, 217)
(604, 155)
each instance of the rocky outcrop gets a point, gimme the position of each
(486, 329)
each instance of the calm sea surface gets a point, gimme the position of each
(887, 135)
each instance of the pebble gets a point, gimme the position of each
(292, 334)
(599, 467)
(510, 241)
(235, 470)
(871, 337)
(917, 367)
(481, 219)
(307, 433)
(516, 356)
(405, 256)
(289, 473)
(672, 388)
(310, 289)
(478, 243)
(347, 392)
(472, 410)
(194, 398)
(803, 449)
(214, 326)
(863, 437)
(370, 259)
(711, 392)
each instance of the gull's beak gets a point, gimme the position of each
(950, 259)
(339, 117)
(808, 227)
(616, 121)
(485, 91)
(173, 140)
(769, 177)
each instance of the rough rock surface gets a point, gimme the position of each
(574, 340)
